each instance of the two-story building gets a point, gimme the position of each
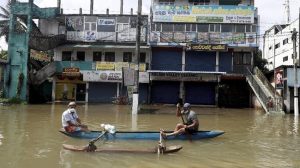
(89, 65)
(202, 50)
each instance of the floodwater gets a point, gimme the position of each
(29, 138)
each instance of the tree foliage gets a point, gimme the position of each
(260, 62)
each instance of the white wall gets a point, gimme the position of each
(284, 50)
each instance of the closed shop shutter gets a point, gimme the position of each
(200, 61)
(165, 92)
(166, 59)
(225, 62)
(101, 92)
(200, 93)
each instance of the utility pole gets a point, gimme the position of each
(296, 108)
(121, 7)
(287, 10)
(92, 7)
(135, 96)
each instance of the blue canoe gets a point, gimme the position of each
(143, 135)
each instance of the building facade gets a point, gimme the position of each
(278, 50)
(89, 66)
(202, 50)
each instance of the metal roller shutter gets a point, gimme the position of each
(164, 92)
(101, 92)
(200, 93)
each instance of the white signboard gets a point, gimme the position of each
(110, 76)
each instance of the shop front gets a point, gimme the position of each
(195, 87)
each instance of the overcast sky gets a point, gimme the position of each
(271, 11)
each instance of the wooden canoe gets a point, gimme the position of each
(142, 135)
(169, 149)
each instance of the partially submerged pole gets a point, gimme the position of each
(135, 96)
(296, 108)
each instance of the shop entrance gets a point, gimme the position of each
(80, 92)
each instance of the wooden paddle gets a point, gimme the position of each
(91, 147)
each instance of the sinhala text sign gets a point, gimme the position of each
(203, 14)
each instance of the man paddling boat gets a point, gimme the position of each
(71, 121)
(190, 121)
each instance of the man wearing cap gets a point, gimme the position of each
(71, 121)
(189, 118)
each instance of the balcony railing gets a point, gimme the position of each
(117, 66)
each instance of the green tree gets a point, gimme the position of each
(260, 62)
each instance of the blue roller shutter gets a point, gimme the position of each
(200, 61)
(225, 62)
(200, 93)
(101, 92)
(164, 92)
(166, 59)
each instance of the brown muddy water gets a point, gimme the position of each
(29, 138)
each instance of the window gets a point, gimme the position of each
(109, 57)
(97, 56)
(190, 27)
(179, 27)
(253, 28)
(80, 56)
(214, 28)
(240, 28)
(167, 27)
(277, 45)
(142, 57)
(241, 58)
(127, 57)
(227, 28)
(202, 27)
(285, 41)
(158, 27)
(199, 2)
(248, 28)
(286, 58)
(66, 56)
(166, 2)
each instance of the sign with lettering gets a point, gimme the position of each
(207, 47)
(203, 14)
(71, 72)
(173, 76)
(105, 66)
(110, 76)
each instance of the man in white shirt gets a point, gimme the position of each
(71, 121)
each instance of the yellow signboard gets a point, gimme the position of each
(105, 66)
(120, 65)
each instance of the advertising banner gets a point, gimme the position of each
(279, 79)
(105, 66)
(111, 76)
(203, 14)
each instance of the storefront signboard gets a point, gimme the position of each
(110, 76)
(173, 76)
(207, 47)
(203, 14)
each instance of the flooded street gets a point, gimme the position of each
(29, 138)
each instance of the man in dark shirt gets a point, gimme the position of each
(190, 121)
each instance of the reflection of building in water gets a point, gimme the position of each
(1, 137)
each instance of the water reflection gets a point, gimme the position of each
(1, 137)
